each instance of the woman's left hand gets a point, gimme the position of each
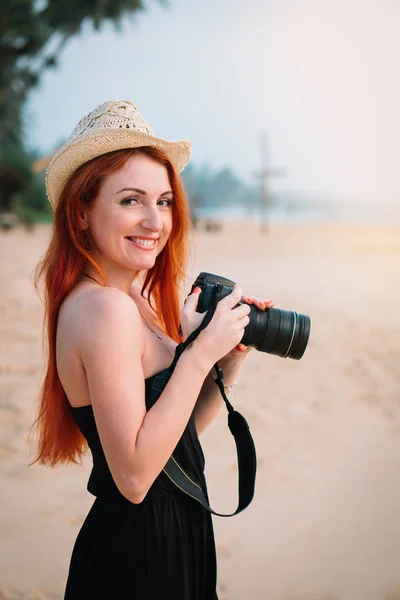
(240, 351)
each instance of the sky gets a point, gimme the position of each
(321, 78)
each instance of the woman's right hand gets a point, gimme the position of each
(226, 328)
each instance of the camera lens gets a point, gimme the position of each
(284, 333)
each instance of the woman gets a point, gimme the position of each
(112, 272)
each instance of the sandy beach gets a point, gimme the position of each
(325, 521)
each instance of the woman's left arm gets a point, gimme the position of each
(210, 400)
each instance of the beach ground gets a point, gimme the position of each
(325, 521)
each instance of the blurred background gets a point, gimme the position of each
(294, 186)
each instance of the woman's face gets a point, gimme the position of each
(131, 218)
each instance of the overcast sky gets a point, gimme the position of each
(321, 76)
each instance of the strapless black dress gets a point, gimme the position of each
(160, 549)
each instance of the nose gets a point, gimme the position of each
(152, 219)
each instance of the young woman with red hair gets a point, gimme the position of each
(112, 273)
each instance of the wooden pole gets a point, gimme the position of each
(264, 175)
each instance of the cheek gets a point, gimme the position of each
(104, 229)
(109, 224)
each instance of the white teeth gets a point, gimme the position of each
(147, 243)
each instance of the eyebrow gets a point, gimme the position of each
(140, 191)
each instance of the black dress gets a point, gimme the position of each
(160, 549)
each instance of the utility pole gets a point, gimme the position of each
(264, 175)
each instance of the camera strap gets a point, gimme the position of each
(246, 453)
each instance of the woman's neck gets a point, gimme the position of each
(120, 280)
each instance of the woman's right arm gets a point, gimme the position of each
(137, 444)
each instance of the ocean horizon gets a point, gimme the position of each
(352, 213)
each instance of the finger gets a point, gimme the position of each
(241, 310)
(193, 298)
(241, 347)
(266, 304)
(261, 304)
(233, 298)
(242, 323)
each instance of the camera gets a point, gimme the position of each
(284, 333)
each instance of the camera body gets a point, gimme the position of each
(208, 284)
(274, 331)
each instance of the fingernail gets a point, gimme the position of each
(240, 347)
(196, 289)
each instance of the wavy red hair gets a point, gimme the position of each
(60, 440)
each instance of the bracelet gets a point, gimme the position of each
(228, 388)
(232, 387)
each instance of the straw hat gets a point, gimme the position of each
(114, 125)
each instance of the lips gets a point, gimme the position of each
(143, 243)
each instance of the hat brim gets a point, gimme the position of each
(71, 156)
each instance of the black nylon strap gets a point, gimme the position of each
(247, 464)
(246, 453)
(209, 315)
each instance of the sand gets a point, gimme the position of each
(325, 521)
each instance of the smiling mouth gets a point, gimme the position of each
(145, 244)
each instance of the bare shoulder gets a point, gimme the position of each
(102, 302)
(99, 310)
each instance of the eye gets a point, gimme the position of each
(166, 202)
(129, 201)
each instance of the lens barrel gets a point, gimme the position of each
(284, 333)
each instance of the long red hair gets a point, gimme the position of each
(60, 440)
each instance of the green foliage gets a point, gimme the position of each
(15, 173)
(207, 189)
(33, 34)
(34, 197)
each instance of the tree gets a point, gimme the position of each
(208, 190)
(32, 36)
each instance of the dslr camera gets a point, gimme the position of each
(284, 333)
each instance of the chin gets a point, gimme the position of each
(143, 265)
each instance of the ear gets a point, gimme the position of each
(83, 220)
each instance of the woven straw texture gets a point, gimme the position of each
(114, 125)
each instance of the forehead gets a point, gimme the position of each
(141, 172)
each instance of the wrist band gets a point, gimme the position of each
(228, 388)
(232, 387)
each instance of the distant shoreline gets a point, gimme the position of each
(351, 213)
